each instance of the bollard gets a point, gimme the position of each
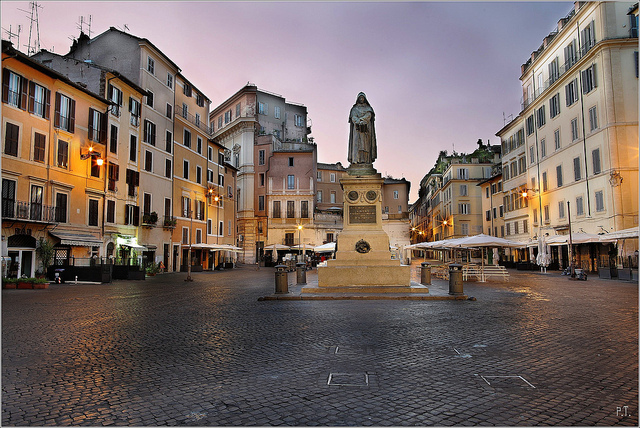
(455, 279)
(425, 273)
(301, 269)
(282, 285)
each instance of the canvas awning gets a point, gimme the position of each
(276, 247)
(578, 238)
(325, 248)
(621, 234)
(78, 239)
(214, 247)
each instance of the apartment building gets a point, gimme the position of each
(328, 217)
(195, 186)
(513, 211)
(254, 125)
(121, 214)
(53, 171)
(450, 200)
(492, 204)
(395, 211)
(580, 120)
(290, 193)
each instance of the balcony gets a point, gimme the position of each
(169, 222)
(198, 123)
(150, 220)
(27, 211)
(562, 70)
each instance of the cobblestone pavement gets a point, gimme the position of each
(537, 350)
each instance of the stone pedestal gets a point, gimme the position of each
(363, 261)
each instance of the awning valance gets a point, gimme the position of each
(78, 239)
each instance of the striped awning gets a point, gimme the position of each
(78, 239)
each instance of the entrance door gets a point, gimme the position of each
(165, 256)
(14, 264)
(27, 264)
(175, 258)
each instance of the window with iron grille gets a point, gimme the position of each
(304, 209)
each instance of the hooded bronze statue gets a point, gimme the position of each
(362, 133)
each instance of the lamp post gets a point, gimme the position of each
(190, 214)
(300, 240)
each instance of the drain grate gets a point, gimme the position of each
(348, 379)
(507, 382)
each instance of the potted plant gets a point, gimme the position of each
(40, 283)
(150, 218)
(9, 283)
(152, 269)
(169, 222)
(45, 252)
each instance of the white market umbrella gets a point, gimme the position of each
(277, 247)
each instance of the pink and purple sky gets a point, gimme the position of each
(439, 75)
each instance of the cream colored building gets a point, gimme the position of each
(580, 117)
(53, 181)
(514, 208)
(248, 120)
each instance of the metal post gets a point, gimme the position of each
(188, 278)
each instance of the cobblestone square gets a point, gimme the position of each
(538, 350)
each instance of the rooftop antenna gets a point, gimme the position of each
(11, 35)
(82, 24)
(33, 17)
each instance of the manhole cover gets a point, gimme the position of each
(348, 379)
(507, 382)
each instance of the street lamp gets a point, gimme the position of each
(300, 240)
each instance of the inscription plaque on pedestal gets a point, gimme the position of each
(362, 214)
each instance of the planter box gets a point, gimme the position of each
(9, 286)
(25, 286)
(41, 286)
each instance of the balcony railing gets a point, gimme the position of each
(21, 210)
(564, 68)
(199, 123)
(169, 222)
